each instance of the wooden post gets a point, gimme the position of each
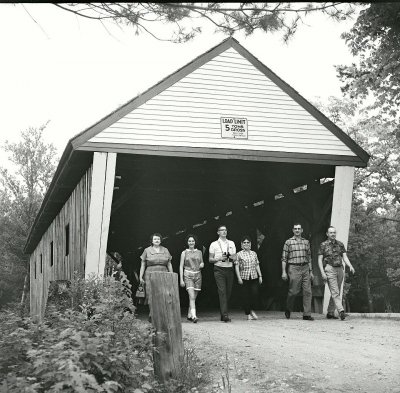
(99, 211)
(166, 319)
(341, 212)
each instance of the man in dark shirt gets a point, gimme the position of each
(331, 253)
(297, 254)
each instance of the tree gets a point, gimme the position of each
(375, 39)
(375, 221)
(381, 179)
(22, 191)
(373, 248)
(228, 18)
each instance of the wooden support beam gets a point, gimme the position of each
(99, 211)
(341, 211)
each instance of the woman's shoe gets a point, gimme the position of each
(253, 314)
(194, 320)
(189, 318)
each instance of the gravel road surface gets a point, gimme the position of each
(274, 354)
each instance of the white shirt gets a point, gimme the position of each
(219, 247)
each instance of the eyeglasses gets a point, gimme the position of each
(246, 242)
(297, 229)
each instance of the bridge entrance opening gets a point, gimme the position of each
(177, 196)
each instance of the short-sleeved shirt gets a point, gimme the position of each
(332, 252)
(219, 247)
(153, 258)
(192, 260)
(296, 251)
(248, 262)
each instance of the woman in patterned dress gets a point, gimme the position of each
(248, 273)
(155, 258)
(190, 274)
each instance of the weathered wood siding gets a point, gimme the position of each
(75, 214)
(188, 114)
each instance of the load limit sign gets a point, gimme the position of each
(234, 127)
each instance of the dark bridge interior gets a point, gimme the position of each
(176, 196)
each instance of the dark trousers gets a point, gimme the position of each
(299, 279)
(224, 280)
(250, 294)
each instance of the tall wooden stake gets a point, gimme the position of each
(166, 318)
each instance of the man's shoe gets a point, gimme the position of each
(287, 314)
(308, 318)
(342, 315)
(226, 319)
(250, 317)
(253, 314)
(331, 316)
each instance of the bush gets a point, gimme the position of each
(89, 341)
(94, 345)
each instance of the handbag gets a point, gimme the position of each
(140, 292)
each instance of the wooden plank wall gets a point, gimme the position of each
(75, 213)
(188, 114)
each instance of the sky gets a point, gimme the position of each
(72, 72)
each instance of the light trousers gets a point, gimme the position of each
(334, 276)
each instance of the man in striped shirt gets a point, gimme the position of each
(297, 255)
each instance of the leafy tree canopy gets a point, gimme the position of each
(375, 39)
(21, 193)
(185, 19)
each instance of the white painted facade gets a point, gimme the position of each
(188, 113)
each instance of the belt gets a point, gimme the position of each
(299, 264)
(191, 271)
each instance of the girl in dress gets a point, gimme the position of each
(190, 274)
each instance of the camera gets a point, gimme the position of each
(227, 255)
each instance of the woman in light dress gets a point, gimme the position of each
(155, 258)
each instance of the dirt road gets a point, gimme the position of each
(273, 354)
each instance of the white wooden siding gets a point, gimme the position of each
(188, 114)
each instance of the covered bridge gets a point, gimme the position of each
(221, 140)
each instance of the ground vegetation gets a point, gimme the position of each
(89, 340)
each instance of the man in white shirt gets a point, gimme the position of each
(222, 253)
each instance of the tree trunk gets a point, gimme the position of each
(347, 305)
(24, 290)
(369, 297)
(388, 305)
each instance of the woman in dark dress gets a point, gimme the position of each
(155, 258)
(190, 274)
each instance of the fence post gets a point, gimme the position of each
(166, 319)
